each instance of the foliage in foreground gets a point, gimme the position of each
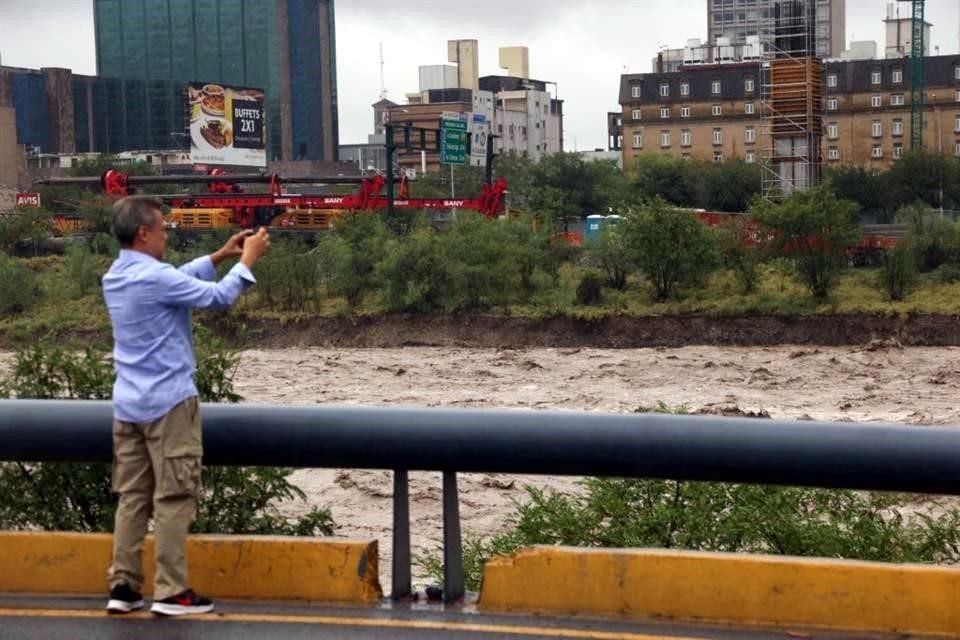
(77, 497)
(669, 514)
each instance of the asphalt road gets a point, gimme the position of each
(84, 619)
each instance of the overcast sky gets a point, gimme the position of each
(582, 45)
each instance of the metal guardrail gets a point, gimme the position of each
(883, 457)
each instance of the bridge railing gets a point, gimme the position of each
(881, 457)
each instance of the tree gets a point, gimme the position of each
(727, 186)
(868, 188)
(670, 246)
(611, 255)
(814, 230)
(665, 177)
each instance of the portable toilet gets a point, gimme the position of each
(594, 225)
(612, 220)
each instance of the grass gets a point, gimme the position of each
(64, 313)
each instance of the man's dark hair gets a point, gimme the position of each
(131, 213)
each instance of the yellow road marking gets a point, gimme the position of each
(357, 622)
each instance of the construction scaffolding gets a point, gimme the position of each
(791, 99)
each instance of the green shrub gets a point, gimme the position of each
(814, 231)
(610, 254)
(287, 278)
(935, 239)
(19, 289)
(741, 253)
(412, 273)
(492, 263)
(83, 270)
(898, 269)
(670, 246)
(590, 289)
(349, 257)
(104, 244)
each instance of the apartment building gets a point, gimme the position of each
(713, 112)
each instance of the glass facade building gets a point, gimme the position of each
(148, 50)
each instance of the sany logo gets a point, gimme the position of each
(281, 201)
(453, 203)
(332, 200)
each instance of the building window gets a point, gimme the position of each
(748, 85)
(664, 112)
(956, 123)
(715, 87)
(956, 148)
(716, 110)
(684, 156)
(684, 88)
(876, 101)
(664, 90)
(620, 142)
(833, 131)
(718, 156)
(896, 99)
(956, 73)
(875, 76)
(750, 157)
(897, 127)
(876, 129)
(748, 108)
(876, 151)
(686, 138)
(619, 123)
(831, 80)
(635, 91)
(831, 104)
(749, 135)
(718, 136)
(897, 76)
(833, 153)
(684, 112)
(638, 139)
(635, 114)
(665, 138)
(897, 150)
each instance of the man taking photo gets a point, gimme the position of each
(157, 446)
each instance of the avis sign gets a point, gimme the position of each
(28, 199)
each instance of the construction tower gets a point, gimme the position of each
(791, 105)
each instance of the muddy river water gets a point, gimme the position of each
(877, 382)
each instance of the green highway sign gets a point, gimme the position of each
(453, 140)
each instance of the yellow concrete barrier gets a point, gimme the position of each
(735, 588)
(263, 567)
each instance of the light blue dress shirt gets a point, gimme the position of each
(149, 302)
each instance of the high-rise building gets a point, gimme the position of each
(737, 19)
(285, 47)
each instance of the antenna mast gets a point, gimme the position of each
(383, 90)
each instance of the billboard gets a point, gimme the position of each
(227, 125)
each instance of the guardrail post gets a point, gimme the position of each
(401, 587)
(453, 587)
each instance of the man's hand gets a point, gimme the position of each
(254, 247)
(232, 248)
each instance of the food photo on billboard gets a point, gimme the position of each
(227, 125)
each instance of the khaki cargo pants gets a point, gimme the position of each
(156, 471)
